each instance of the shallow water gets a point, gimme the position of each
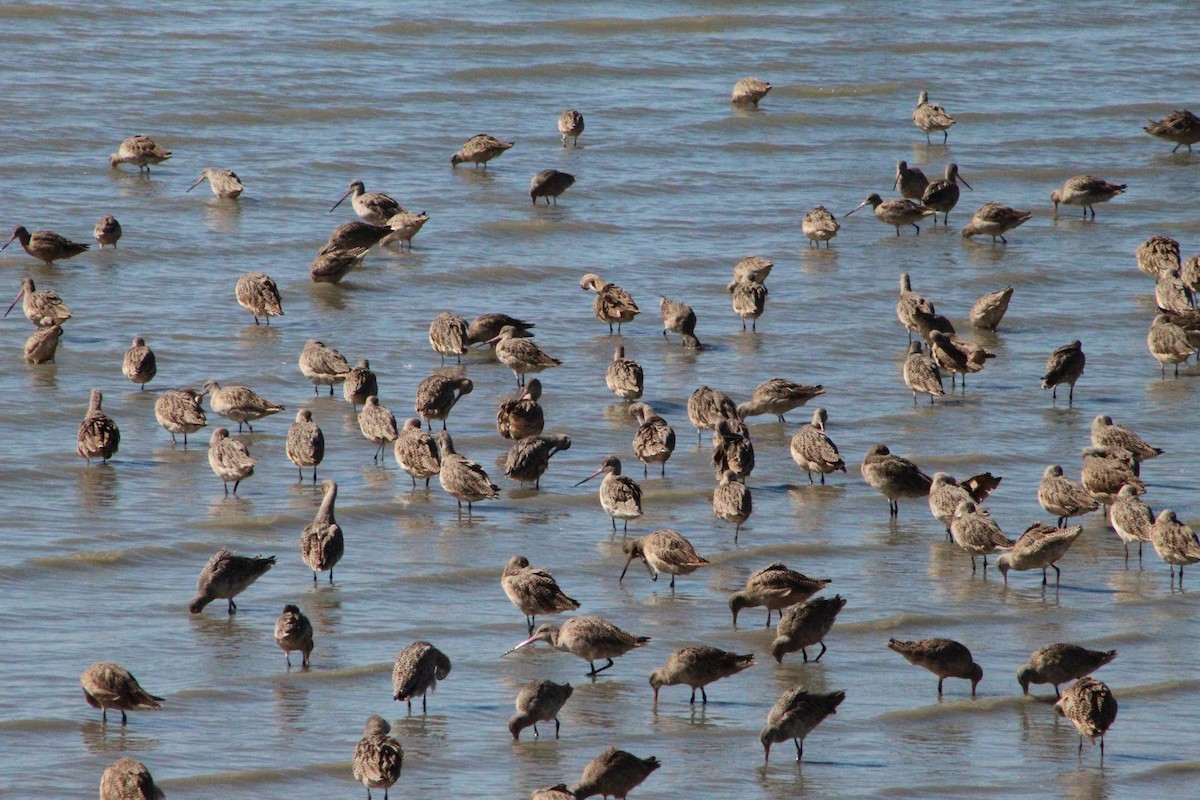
(674, 186)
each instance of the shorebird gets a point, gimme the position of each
(663, 551)
(332, 263)
(706, 407)
(294, 633)
(1132, 519)
(323, 365)
(732, 449)
(990, 309)
(813, 450)
(794, 716)
(448, 336)
(777, 397)
(942, 195)
(802, 626)
(1059, 663)
(614, 772)
(1063, 497)
(753, 269)
(107, 685)
(305, 445)
(356, 237)
(378, 758)
(776, 587)
(229, 459)
(819, 225)
(921, 374)
(1189, 273)
(1174, 542)
(624, 376)
(945, 658)
(42, 344)
(360, 383)
(404, 226)
(141, 150)
(895, 212)
(179, 411)
(1091, 707)
(462, 478)
(378, 425)
(374, 208)
(1158, 255)
(945, 494)
(107, 231)
(521, 416)
(321, 543)
(654, 441)
(749, 301)
(529, 458)
(1039, 547)
(958, 355)
(557, 792)
(1107, 434)
(995, 220)
(538, 701)
(893, 477)
(416, 452)
(1171, 294)
(1105, 471)
(549, 183)
(1086, 191)
(931, 118)
(909, 305)
(533, 591)
(225, 576)
(570, 124)
(974, 530)
(587, 637)
(748, 91)
(437, 395)
(1065, 365)
(620, 496)
(731, 501)
(416, 671)
(911, 182)
(1180, 127)
(1169, 344)
(479, 149)
(612, 304)
(43, 308)
(239, 404)
(258, 294)
(139, 364)
(128, 779)
(697, 667)
(488, 326)
(98, 436)
(224, 183)
(521, 355)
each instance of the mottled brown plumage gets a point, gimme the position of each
(225, 576)
(1091, 707)
(521, 416)
(98, 436)
(654, 441)
(128, 779)
(107, 685)
(479, 149)
(416, 671)
(462, 478)
(697, 667)
(1059, 663)
(305, 444)
(416, 452)
(804, 625)
(448, 336)
(794, 716)
(776, 587)
(139, 150)
(945, 658)
(588, 637)
(777, 397)
(180, 411)
(258, 294)
(529, 458)
(438, 394)
(538, 701)
(239, 404)
(533, 591)
(139, 364)
(894, 477)
(293, 632)
(321, 542)
(378, 758)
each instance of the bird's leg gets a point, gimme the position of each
(287, 657)
(556, 727)
(232, 606)
(822, 478)
(918, 227)
(804, 654)
(535, 731)
(672, 583)
(314, 577)
(692, 701)
(1043, 577)
(662, 473)
(823, 649)
(226, 488)
(331, 576)
(1057, 574)
(1071, 395)
(1001, 239)
(300, 472)
(972, 563)
(124, 719)
(799, 749)
(103, 714)
(940, 686)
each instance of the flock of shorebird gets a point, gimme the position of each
(1110, 476)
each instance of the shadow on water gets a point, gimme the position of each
(113, 739)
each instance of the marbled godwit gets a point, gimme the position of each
(378, 425)
(942, 195)
(44, 308)
(374, 208)
(1131, 518)
(990, 309)
(488, 326)
(1174, 542)
(587, 637)
(654, 441)
(732, 449)
(754, 269)
(1063, 497)
(1091, 707)
(748, 91)
(128, 779)
(973, 529)
(438, 394)
(894, 477)
(139, 364)
(1189, 273)
(404, 225)
(706, 407)
(293, 632)
(179, 411)
(521, 355)
(663, 551)
(42, 344)
(107, 685)
(819, 225)
(612, 303)
(1106, 434)
(1181, 127)
(776, 587)
(239, 404)
(995, 220)
(141, 150)
(749, 301)
(614, 772)
(98, 436)
(802, 626)
(1171, 294)
(538, 701)
(107, 231)
(624, 376)
(416, 452)
(911, 182)
(258, 294)
(896, 212)
(522, 416)
(378, 758)
(813, 450)
(462, 478)
(1065, 365)
(731, 501)
(360, 383)
(794, 716)
(1086, 191)
(909, 304)
(931, 118)
(778, 396)
(697, 667)
(229, 459)
(224, 183)
(448, 336)
(323, 365)
(1157, 255)
(533, 591)
(356, 236)
(225, 576)
(958, 355)
(945, 658)
(529, 458)
(479, 149)
(945, 494)
(549, 183)
(416, 671)
(927, 320)
(557, 792)
(1037, 548)
(333, 264)
(1106, 470)
(322, 543)
(570, 124)
(921, 374)
(1168, 343)
(1059, 663)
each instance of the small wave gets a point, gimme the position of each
(951, 708)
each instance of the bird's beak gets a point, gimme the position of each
(194, 185)
(963, 181)
(10, 241)
(20, 294)
(650, 570)
(628, 561)
(589, 477)
(896, 182)
(860, 205)
(656, 695)
(339, 202)
(525, 643)
(493, 340)
(766, 753)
